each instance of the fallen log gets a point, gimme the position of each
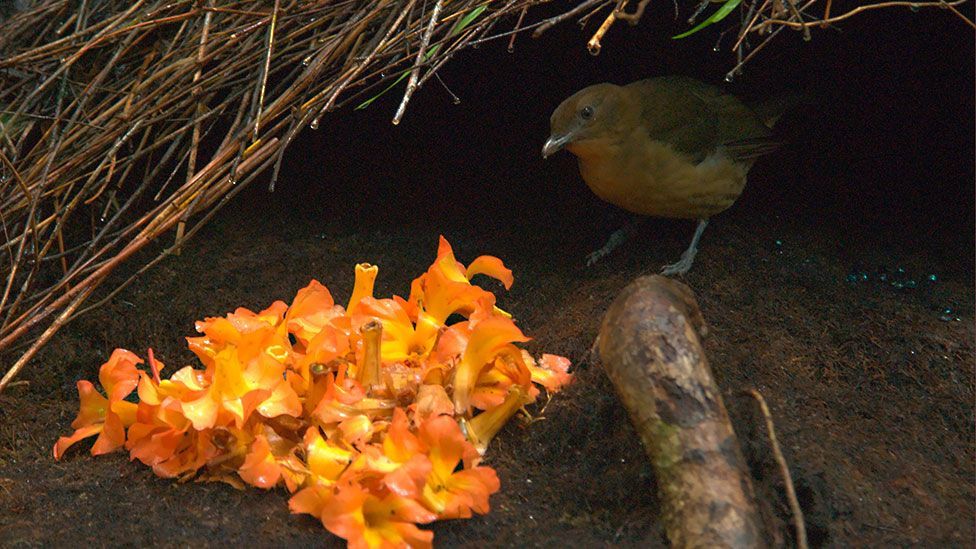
(650, 348)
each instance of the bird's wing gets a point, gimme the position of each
(671, 112)
(696, 119)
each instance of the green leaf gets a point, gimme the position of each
(467, 19)
(720, 14)
(458, 27)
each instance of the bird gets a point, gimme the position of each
(669, 146)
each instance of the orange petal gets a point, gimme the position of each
(311, 309)
(400, 444)
(201, 411)
(432, 401)
(408, 479)
(310, 500)
(327, 461)
(93, 406)
(64, 443)
(112, 436)
(356, 430)
(552, 372)
(282, 401)
(126, 411)
(473, 487)
(152, 444)
(489, 338)
(119, 376)
(446, 262)
(493, 267)
(260, 467)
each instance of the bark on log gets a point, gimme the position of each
(650, 349)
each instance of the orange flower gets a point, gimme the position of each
(489, 338)
(552, 371)
(345, 398)
(355, 410)
(106, 417)
(326, 464)
(486, 264)
(494, 383)
(448, 493)
(260, 467)
(431, 401)
(484, 426)
(238, 389)
(312, 308)
(399, 460)
(371, 521)
(446, 286)
(331, 343)
(365, 279)
(401, 338)
(233, 329)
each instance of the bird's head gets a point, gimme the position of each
(590, 114)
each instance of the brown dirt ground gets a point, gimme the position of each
(872, 392)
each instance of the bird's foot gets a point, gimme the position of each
(616, 239)
(683, 265)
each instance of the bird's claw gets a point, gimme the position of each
(682, 266)
(593, 258)
(616, 239)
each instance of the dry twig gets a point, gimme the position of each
(784, 469)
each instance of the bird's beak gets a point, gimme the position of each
(555, 143)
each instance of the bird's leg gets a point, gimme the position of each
(616, 239)
(684, 264)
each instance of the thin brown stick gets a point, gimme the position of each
(48, 333)
(784, 469)
(515, 32)
(266, 67)
(421, 55)
(631, 18)
(553, 21)
(861, 9)
(594, 46)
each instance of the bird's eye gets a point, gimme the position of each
(586, 113)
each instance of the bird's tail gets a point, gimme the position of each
(772, 109)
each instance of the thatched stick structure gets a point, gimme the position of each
(120, 121)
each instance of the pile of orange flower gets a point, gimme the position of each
(374, 415)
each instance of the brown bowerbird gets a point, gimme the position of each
(668, 147)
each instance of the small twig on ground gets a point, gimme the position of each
(784, 469)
